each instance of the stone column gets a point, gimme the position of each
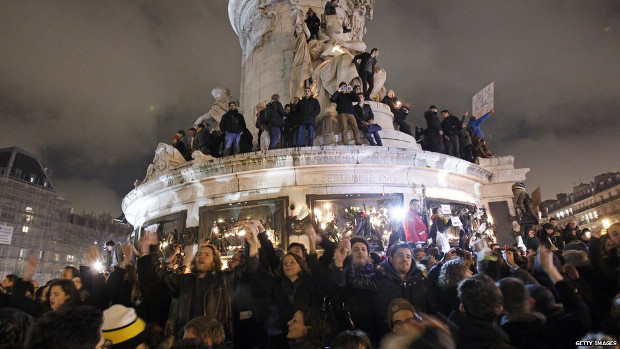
(497, 195)
(265, 31)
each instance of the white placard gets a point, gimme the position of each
(445, 209)
(456, 222)
(6, 234)
(483, 101)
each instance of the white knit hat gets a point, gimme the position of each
(122, 324)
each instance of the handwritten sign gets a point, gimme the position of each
(456, 222)
(445, 209)
(483, 101)
(6, 234)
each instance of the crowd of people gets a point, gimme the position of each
(293, 124)
(561, 288)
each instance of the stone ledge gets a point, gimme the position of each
(386, 157)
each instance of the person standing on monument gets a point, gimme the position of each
(275, 118)
(314, 24)
(366, 70)
(344, 99)
(415, 228)
(450, 126)
(307, 110)
(433, 133)
(232, 124)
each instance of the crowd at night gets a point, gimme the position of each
(560, 288)
(553, 287)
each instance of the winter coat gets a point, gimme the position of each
(344, 101)
(475, 125)
(464, 138)
(415, 228)
(477, 334)
(274, 113)
(524, 330)
(363, 113)
(307, 110)
(389, 286)
(232, 122)
(217, 301)
(364, 58)
(569, 322)
(568, 237)
(451, 126)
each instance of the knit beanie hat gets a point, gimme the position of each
(123, 327)
(395, 305)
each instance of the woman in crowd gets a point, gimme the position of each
(62, 293)
(307, 330)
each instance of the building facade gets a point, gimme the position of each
(36, 220)
(591, 204)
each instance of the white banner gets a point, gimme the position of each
(6, 234)
(483, 101)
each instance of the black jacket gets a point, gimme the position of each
(524, 330)
(364, 57)
(451, 126)
(344, 101)
(274, 113)
(388, 286)
(307, 110)
(232, 122)
(433, 126)
(217, 302)
(478, 334)
(363, 113)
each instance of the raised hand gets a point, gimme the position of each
(31, 266)
(341, 252)
(128, 251)
(92, 256)
(147, 240)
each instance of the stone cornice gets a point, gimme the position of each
(353, 156)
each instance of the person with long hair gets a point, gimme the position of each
(62, 293)
(307, 330)
(207, 289)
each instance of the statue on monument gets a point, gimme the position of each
(329, 59)
(302, 62)
(212, 118)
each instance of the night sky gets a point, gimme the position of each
(91, 87)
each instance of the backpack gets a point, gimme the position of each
(273, 116)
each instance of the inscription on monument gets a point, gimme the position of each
(330, 178)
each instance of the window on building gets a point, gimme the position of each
(56, 257)
(25, 229)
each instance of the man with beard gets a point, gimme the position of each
(207, 290)
(359, 301)
(396, 277)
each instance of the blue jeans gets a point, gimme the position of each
(301, 140)
(369, 136)
(231, 140)
(274, 133)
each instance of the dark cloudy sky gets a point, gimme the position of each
(92, 86)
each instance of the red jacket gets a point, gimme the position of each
(415, 228)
